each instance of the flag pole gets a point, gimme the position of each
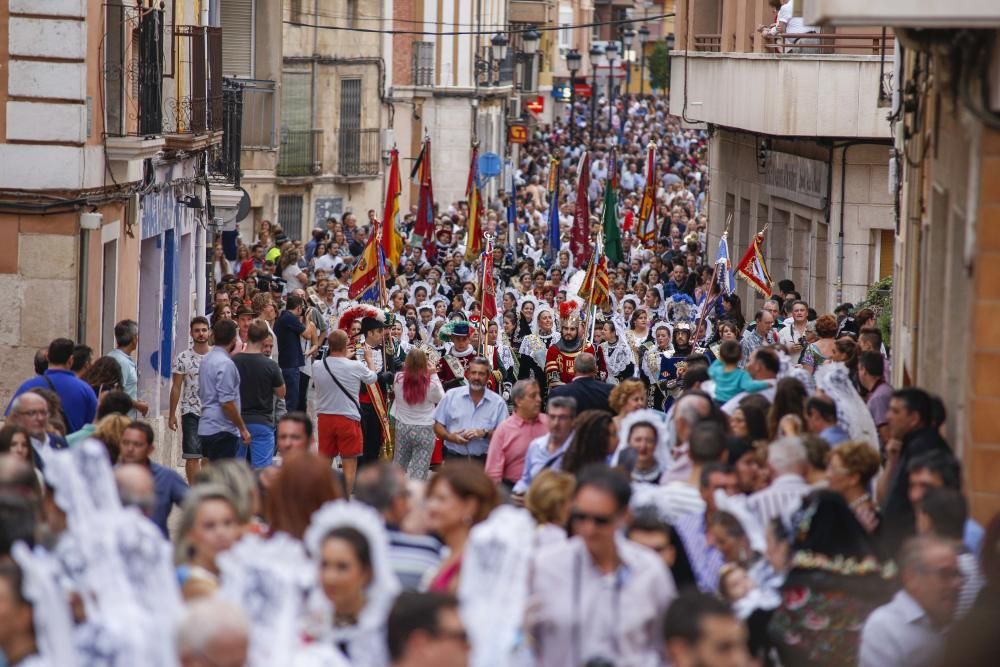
(715, 276)
(483, 325)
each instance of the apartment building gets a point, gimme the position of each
(946, 161)
(798, 142)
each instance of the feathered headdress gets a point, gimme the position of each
(569, 313)
(358, 313)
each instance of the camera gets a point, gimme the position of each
(802, 341)
(270, 284)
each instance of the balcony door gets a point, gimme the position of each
(296, 156)
(349, 151)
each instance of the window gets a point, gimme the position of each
(566, 31)
(238, 37)
(423, 63)
(290, 215)
(109, 289)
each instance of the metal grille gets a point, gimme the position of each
(423, 63)
(300, 143)
(258, 114)
(290, 215)
(198, 106)
(349, 136)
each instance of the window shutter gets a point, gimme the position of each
(237, 38)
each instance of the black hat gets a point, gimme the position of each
(460, 328)
(371, 324)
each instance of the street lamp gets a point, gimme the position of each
(529, 46)
(643, 38)
(610, 51)
(628, 38)
(573, 61)
(595, 53)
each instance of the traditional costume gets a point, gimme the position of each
(652, 361)
(534, 348)
(561, 356)
(615, 361)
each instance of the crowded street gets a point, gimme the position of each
(555, 334)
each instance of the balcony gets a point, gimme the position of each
(300, 153)
(258, 115)
(224, 160)
(194, 115)
(537, 12)
(822, 84)
(359, 153)
(904, 13)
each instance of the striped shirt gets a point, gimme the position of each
(412, 557)
(705, 559)
(781, 498)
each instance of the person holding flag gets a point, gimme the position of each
(473, 193)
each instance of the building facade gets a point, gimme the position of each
(946, 161)
(797, 144)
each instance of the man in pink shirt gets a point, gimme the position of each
(509, 444)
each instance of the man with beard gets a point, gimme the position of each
(468, 414)
(535, 347)
(673, 365)
(560, 358)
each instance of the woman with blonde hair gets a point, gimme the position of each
(288, 269)
(109, 430)
(548, 500)
(209, 525)
(627, 396)
(418, 390)
(238, 478)
(849, 472)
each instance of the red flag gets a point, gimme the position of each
(392, 242)
(423, 229)
(753, 268)
(489, 288)
(594, 288)
(579, 237)
(366, 272)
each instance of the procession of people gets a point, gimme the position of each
(537, 426)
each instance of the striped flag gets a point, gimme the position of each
(647, 208)
(364, 280)
(594, 288)
(474, 227)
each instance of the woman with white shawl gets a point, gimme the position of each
(642, 447)
(614, 356)
(833, 380)
(349, 545)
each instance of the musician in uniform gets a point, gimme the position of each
(560, 356)
(374, 408)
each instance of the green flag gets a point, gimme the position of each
(612, 234)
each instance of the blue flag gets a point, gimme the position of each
(554, 231)
(727, 283)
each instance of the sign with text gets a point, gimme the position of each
(798, 179)
(517, 134)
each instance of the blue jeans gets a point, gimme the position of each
(261, 446)
(291, 376)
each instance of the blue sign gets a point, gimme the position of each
(561, 92)
(489, 165)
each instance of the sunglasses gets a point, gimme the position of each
(597, 519)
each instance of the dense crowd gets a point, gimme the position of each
(661, 475)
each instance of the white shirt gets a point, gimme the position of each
(331, 399)
(421, 414)
(794, 25)
(673, 500)
(899, 634)
(327, 263)
(290, 276)
(780, 499)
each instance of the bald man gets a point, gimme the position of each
(136, 487)
(589, 392)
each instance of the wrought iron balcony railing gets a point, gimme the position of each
(133, 71)
(358, 152)
(195, 105)
(300, 153)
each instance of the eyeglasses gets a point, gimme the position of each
(34, 413)
(597, 519)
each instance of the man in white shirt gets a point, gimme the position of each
(787, 459)
(338, 381)
(910, 630)
(792, 337)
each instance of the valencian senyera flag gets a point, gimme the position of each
(392, 242)
(594, 288)
(646, 229)
(364, 280)
(474, 226)
(423, 228)
(554, 241)
(753, 268)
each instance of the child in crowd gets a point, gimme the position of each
(729, 379)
